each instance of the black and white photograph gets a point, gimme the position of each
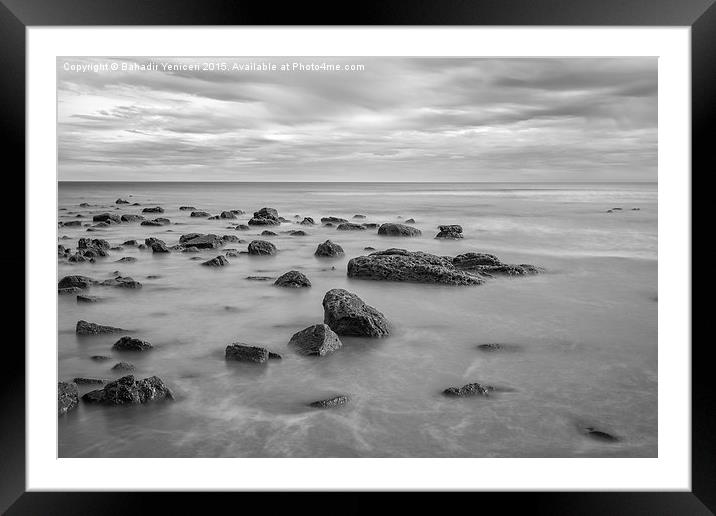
(386, 257)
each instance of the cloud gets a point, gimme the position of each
(416, 119)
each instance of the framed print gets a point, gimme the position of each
(439, 249)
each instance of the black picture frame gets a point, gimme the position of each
(17, 15)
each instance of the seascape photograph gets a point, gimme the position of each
(388, 257)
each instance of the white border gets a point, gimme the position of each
(670, 471)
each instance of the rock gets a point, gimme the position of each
(274, 356)
(348, 226)
(450, 231)
(244, 353)
(358, 216)
(371, 225)
(190, 249)
(88, 328)
(231, 238)
(126, 259)
(635, 209)
(93, 243)
(71, 223)
(488, 265)
(237, 212)
(490, 347)
(128, 391)
(258, 278)
(333, 220)
(187, 208)
(336, 401)
(100, 225)
(200, 241)
(329, 224)
(227, 215)
(130, 242)
(402, 265)
(76, 258)
(156, 209)
(471, 389)
(214, 217)
(328, 249)
(266, 232)
(158, 246)
(131, 344)
(410, 221)
(265, 217)
(242, 227)
(262, 247)
(390, 229)
(68, 290)
(79, 282)
(293, 279)
(121, 282)
(369, 248)
(219, 261)
(347, 314)
(307, 221)
(87, 299)
(318, 339)
(88, 381)
(123, 366)
(107, 217)
(599, 435)
(297, 232)
(100, 358)
(156, 222)
(121, 201)
(200, 214)
(131, 218)
(67, 397)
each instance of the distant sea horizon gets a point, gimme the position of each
(358, 182)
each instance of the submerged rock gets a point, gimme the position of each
(245, 353)
(161, 221)
(131, 344)
(200, 241)
(411, 266)
(266, 232)
(328, 249)
(449, 231)
(121, 201)
(87, 299)
(156, 209)
(128, 391)
(227, 215)
(123, 366)
(127, 259)
(107, 217)
(307, 221)
(258, 278)
(599, 435)
(293, 279)
(349, 226)
(80, 282)
(333, 220)
(297, 232)
(131, 218)
(390, 229)
(347, 314)
(67, 397)
(471, 389)
(318, 340)
(336, 401)
(121, 282)
(242, 227)
(410, 221)
(488, 265)
(88, 381)
(187, 208)
(88, 328)
(358, 216)
(262, 247)
(219, 261)
(200, 214)
(159, 247)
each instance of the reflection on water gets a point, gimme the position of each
(585, 332)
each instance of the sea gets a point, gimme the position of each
(580, 340)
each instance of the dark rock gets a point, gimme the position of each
(219, 261)
(599, 435)
(121, 201)
(121, 282)
(333, 220)
(156, 209)
(85, 205)
(231, 238)
(471, 389)
(274, 356)
(283, 219)
(71, 223)
(190, 249)
(390, 229)
(266, 232)
(348, 226)
(242, 227)
(450, 231)
(76, 258)
(244, 353)
(88, 381)
(369, 225)
(100, 225)
(410, 221)
(93, 243)
(156, 222)
(328, 249)
(336, 401)
(259, 278)
(88, 328)
(358, 216)
(297, 232)
(187, 208)
(107, 217)
(128, 391)
(79, 282)
(127, 259)
(318, 339)
(227, 215)
(237, 212)
(158, 246)
(131, 344)
(68, 290)
(200, 241)
(123, 366)
(265, 217)
(488, 265)
(329, 224)
(130, 242)
(635, 209)
(67, 397)
(261, 247)
(200, 214)
(347, 314)
(293, 279)
(307, 221)
(402, 265)
(87, 299)
(369, 248)
(100, 358)
(214, 217)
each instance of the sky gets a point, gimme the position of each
(387, 119)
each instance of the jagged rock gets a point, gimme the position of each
(402, 265)
(187, 208)
(200, 214)
(88, 328)
(123, 366)
(244, 353)
(67, 397)
(261, 247)
(333, 220)
(121, 201)
(88, 381)
(200, 241)
(293, 279)
(79, 282)
(156, 209)
(131, 344)
(227, 215)
(121, 282)
(131, 218)
(347, 314)
(449, 231)
(488, 265)
(107, 217)
(265, 217)
(231, 238)
(307, 221)
(87, 299)
(390, 229)
(155, 222)
(219, 261)
(318, 339)
(127, 259)
(128, 391)
(471, 389)
(336, 401)
(349, 226)
(158, 246)
(328, 249)
(410, 221)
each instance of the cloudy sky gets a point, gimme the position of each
(397, 119)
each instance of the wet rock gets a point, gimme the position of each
(336, 401)
(67, 397)
(231, 238)
(635, 209)
(265, 217)
(96, 244)
(100, 358)
(266, 232)
(347, 314)
(88, 381)
(214, 217)
(126, 259)
(274, 356)
(200, 214)
(158, 246)
(187, 208)
(79, 282)
(219, 261)
(121, 282)
(237, 212)
(471, 389)
(410, 221)
(297, 232)
(307, 221)
(329, 249)
(200, 241)
(227, 215)
(107, 217)
(242, 227)
(128, 391)
(390, 229)
(123, 366)
(87, 299)
(76, 258)
(156, 222)
(402, 265)
(71, 223)
(156, 209)
(369, 248)
(333, 220)
(68, 290)
(292, 279)
(318, 340)
(131, 218)
(121, 201)
(450, 231)
(190, 249)
(131, 344)
(349, 226)
(489, 265)
(599, 435)
(358, 216)
(258, 278)
(130, 242)
(283, 219)
(261, 247)
(100, 225)
(88, 328)
(244, 353)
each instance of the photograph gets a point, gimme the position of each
(356, 257)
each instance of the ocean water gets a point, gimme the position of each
(585, 331)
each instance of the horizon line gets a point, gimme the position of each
(352, 182)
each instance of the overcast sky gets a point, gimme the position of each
(399, 119)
